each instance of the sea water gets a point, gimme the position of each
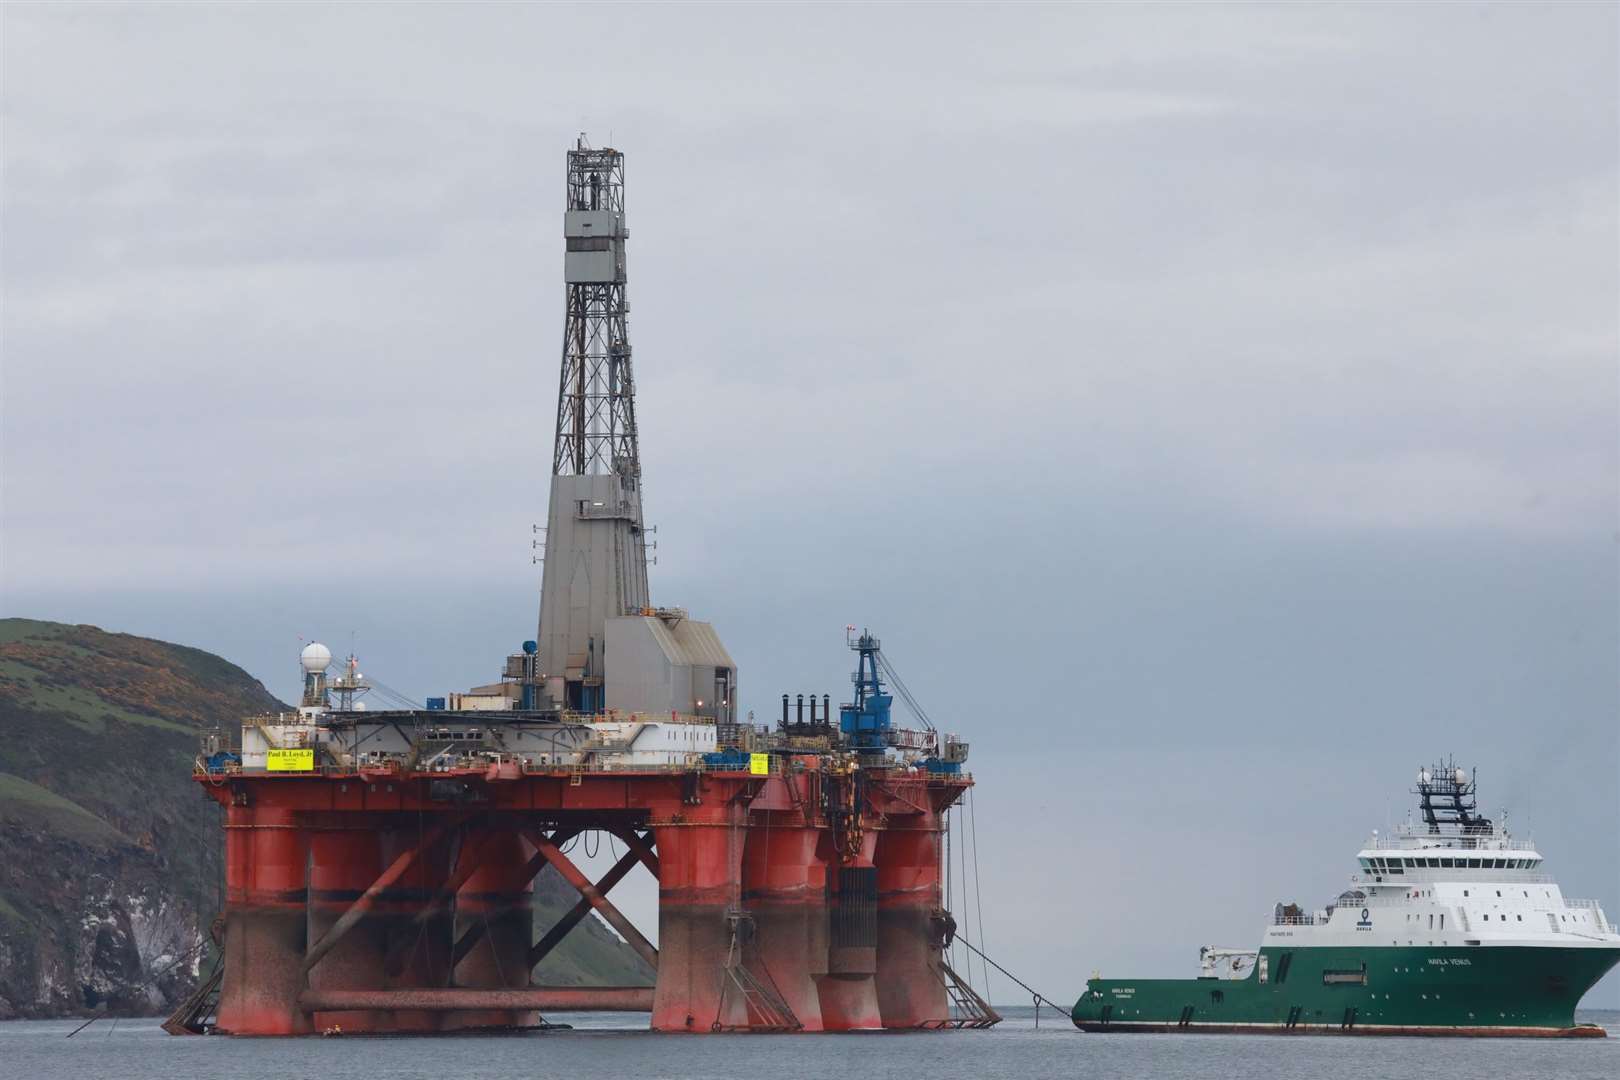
(618, 1046)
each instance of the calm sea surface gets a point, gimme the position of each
(611, 1046)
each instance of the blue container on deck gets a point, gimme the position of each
(218, 762)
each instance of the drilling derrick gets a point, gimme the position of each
(596, 554)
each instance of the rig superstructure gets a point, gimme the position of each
(379, 862)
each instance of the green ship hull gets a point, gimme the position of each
(1505, 990)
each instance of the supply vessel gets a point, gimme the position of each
(380, 862)
(1450, 927)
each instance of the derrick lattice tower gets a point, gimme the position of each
(596, 402)
(596, 552)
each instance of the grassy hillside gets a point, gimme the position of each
(110, 857)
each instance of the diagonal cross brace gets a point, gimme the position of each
(475, 932)
(566, 924)
(640, 847)
(582, 884)
(357, 910)
(466, 866)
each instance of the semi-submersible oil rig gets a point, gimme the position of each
(380, 864)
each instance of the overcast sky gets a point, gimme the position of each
(1214, 409)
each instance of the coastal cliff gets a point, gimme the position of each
(110, 858)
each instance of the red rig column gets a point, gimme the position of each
(847, 992)
(265, 852)
(496, 905)
(699, 863)
(785, 890)
(910, 986)
(344, 859)
(418, 949)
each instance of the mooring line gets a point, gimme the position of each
(1035, 995)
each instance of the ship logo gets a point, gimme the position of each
(1366, 920)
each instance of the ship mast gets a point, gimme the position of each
(1446, 795)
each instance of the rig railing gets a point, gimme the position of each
(776, 766)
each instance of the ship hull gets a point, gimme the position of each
(1504, 991)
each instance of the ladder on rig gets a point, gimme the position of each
(192, 1017)
(762, 1002)
(968, 1009)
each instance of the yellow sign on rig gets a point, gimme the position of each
(759, 764)
(291, 760)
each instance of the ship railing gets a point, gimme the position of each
(1322, 915)
(1491, 841)
(1585, 905)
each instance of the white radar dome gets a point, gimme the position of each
(1423, 776)
(315, 657)
(1462, 776)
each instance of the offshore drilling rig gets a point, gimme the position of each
(380, 863)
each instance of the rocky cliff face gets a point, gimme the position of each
(110, 858)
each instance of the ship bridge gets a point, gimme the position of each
(1452, 841)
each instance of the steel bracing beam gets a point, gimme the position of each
(466, 867)
(640, 846)
(357, 910)
(583, 886)
(455, 999)
(639, 852)
(475, 932)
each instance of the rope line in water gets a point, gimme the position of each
(1038, 997)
